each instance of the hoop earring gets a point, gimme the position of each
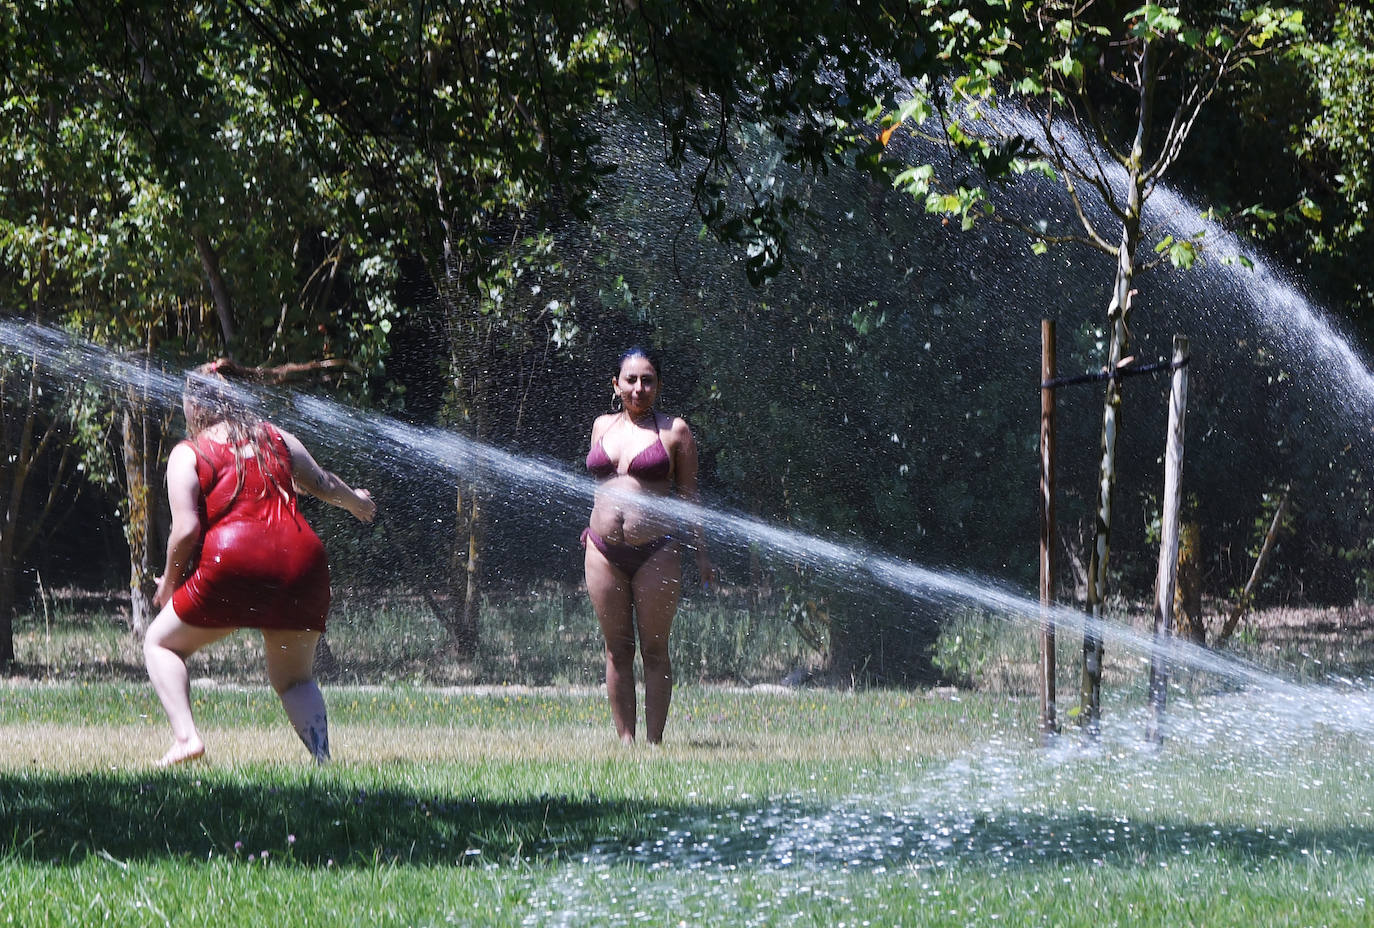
(617, 404)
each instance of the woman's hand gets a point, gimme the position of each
(363, 506)
(164, 593)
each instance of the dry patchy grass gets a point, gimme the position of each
(76, 749)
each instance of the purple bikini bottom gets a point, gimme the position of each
(625, 558)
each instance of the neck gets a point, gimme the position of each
(222, 430)
(643, 418)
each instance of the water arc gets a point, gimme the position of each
(403, 446)
(1319, 349)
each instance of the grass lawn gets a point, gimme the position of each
(514, 806)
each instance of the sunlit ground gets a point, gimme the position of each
(518, 807)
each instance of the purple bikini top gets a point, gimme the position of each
(650, 464)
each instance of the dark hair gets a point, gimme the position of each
(638, 351)
(221, 391)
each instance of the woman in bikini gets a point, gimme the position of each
(633, 560)
(232, 488)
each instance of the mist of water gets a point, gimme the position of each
(1313, 341)
(1314, 346)
(403, 448)
(1000, 807)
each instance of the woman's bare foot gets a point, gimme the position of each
(182, 752)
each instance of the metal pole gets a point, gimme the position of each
(1049, 725)
(1168, 541)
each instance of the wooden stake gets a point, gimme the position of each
(1167, 577)
(1049, 724)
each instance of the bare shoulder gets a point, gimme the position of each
(678, 426)
(182, 455)
(183, 477)
(680, 433)
(602, 423)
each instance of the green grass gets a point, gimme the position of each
(515, 805)
(511, 807)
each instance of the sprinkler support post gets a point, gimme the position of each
(1167, 578)
(1092, 669)
(1049, 724)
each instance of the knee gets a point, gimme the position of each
(154, 646)
(656, 659)
(620, 651)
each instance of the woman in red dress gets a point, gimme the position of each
(257, 564)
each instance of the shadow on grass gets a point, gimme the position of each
(64, 820)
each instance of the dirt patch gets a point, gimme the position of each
(1309, 644)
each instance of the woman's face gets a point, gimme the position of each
(637, 384)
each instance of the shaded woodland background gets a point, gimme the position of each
(479, 206)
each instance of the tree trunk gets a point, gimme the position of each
(141, 513)
(1118, 318)
(1091, 694)
(1188, 594)
(471, 386)
(19, 452)
(465, 574)
(1247, 595)
(6, 603)
(757, 577)
(7, 526)
(219, 290)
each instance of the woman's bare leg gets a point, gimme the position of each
(290, 659)
(610, 595)
(166, 647)
(657, 589)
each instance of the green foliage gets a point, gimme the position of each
(965, 648)
(1181, 253)
(1336, 137)
(322, 149)
(1063, 59)
(811, 75)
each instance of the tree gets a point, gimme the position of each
(1081, 67)
(36, 461)
(1333, 141)
(861, 363)
(468, 141)
(37, 417)
(471, 127)
(157, 135)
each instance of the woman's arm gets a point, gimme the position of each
(311, 478)
(183, 494)
(685, 469)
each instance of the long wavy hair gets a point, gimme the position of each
(220, 393)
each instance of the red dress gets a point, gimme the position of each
(260, 563)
